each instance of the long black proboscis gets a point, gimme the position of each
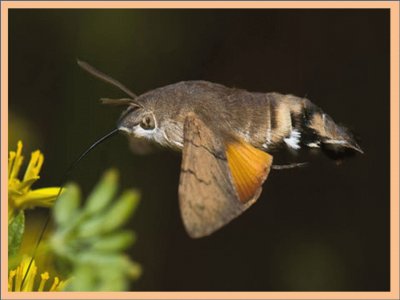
(95, 144)
(62, 184)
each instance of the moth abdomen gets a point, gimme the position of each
(330, 136)
(298, 123)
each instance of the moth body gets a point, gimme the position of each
(226, 136)
(268, 121)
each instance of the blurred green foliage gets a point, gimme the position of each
(88, 241)
(16, 228)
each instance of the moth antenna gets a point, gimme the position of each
(121, 101)
(66, 174)
(96, 73)
(289, 166)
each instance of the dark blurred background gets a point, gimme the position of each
(323, 227)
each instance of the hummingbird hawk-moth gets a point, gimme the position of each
(226, 136)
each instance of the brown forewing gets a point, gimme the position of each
(208, 199)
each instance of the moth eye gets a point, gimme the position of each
(147, 123)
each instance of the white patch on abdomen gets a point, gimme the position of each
(268, 139)
(268, 135)
(338, 142)
(293, 140)
(313, 145)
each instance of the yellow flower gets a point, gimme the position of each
(20, 195)
(15, 278)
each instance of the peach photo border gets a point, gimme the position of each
(394, 148)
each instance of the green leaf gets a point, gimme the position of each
(84, 279)
(110, 220)
(103, 193)
(66, 207)
(91, 228)
(113, 281)
(101, 259)
(15, 233)
(115, 242)
(89, 241)
(121, 210)
(133, 269)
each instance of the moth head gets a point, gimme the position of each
(139, 119)
(138, 122)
